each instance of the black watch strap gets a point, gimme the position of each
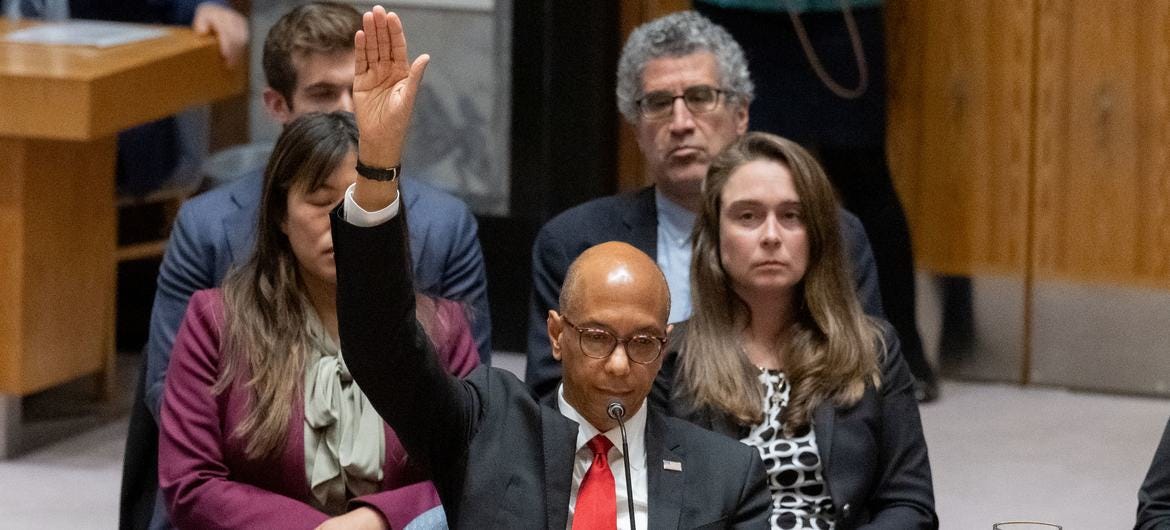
(377, 173)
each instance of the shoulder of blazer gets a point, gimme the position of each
(639, 208)
(631, 207)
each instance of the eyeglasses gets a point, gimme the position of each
(600, 344)
(699, 99)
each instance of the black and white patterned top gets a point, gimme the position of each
(795, 478)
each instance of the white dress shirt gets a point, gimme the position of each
(635, 437)
(357, 216)
(674, 253)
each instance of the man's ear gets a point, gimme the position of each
(555, 326)
(277, 106)
(741, 118)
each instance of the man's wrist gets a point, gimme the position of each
(382, 157)
(380, 174)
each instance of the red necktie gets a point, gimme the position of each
(596, 501)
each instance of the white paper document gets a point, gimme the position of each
(84, 33)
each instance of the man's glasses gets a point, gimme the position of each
(599, 344)
(699, 99)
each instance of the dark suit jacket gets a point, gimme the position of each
(498, 458)
(204, 471)
(633, 218)
(1154, 496)
(873, 453)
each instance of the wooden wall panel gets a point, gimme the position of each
(905, 51)
(1103, 134)
(58, 261)
(959, 121)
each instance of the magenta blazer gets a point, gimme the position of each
(207, 480)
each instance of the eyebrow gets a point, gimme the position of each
(739, 203)
(325, 186)
(323, 84)
(645, 330)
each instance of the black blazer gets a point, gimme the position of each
(633, 218)
(873, 453)
(498, 458)
(1154, 496)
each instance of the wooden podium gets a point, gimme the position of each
(60, 110)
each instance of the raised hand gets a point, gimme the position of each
(384, 88)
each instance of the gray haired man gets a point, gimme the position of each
(684, 85)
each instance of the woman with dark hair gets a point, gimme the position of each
(262, 425)
(779, 354)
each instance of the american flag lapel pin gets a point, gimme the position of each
(671, 465)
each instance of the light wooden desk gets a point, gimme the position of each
(60, 110)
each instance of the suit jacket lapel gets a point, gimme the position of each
(240, 223)
(664, 486)
(823, 417)
(560, 441)
(642, 221)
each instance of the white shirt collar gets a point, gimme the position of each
(635, 431)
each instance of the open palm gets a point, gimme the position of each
(384, 87)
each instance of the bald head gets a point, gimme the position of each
(616, 267)
(615, 289)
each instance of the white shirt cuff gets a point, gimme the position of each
(357, 216)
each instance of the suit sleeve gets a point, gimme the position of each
(862, 264)
(465, 280)
(390, 357)
(193, 475)
(402, 505)
(459, 356)
(1154, 496)
(186, 267)
(904, 496)
(542, 373)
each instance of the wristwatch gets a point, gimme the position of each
(377, 173)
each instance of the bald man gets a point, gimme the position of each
(498, 458)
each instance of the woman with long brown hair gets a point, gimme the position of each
(262, 425)
(779, 354)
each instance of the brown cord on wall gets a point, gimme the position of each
(815, 61)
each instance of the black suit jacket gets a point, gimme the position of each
(633, 218)
(873, 453)
(498, 458)
(1154, 496)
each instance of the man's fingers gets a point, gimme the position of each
(380, 34)
(228, 52)
(386, 35)
(397, 40)
(360, 65)
(416, 73)
(233, 37)
(369, 46)
(200, 25)
(381, 45)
